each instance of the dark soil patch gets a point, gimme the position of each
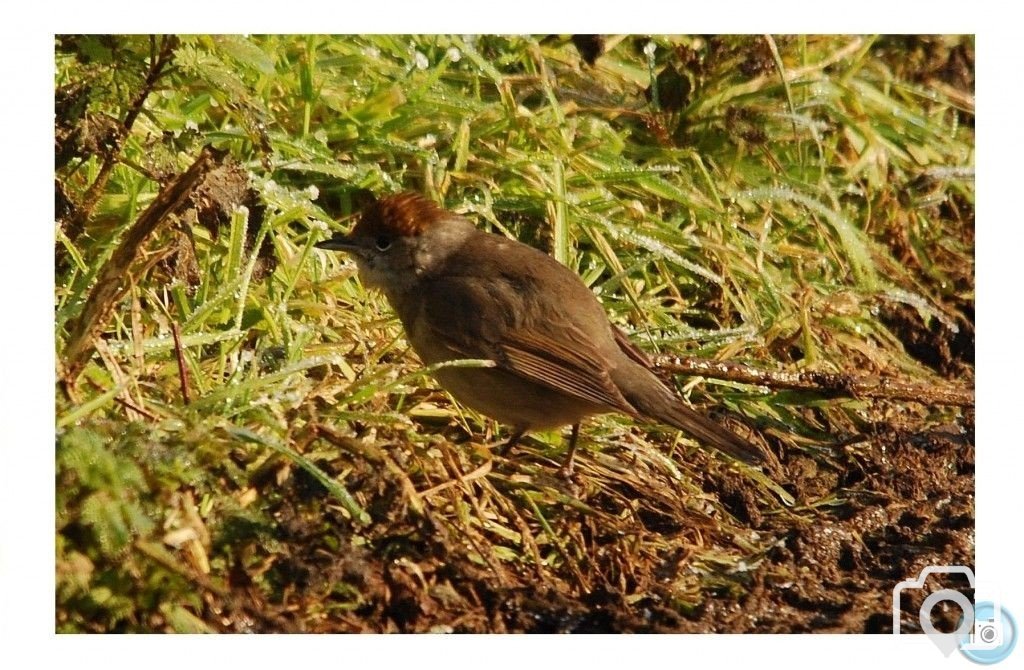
(945, 347)
(902, 500)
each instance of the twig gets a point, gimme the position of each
(182, 368)
(127, 404)
(135, 408)
(109, 286)
(830, 383)
(92, 196)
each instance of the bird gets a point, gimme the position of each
(464, 293)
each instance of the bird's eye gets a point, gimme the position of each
(383, 243)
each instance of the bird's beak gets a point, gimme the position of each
(339, 242)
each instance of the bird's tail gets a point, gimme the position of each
(654, 400)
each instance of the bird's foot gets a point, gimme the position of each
(566, 471)
(506, 449)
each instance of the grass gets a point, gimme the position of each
(791, 202)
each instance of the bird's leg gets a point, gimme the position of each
(566, 469)
(517, 434)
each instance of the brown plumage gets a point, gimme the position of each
(463, 293)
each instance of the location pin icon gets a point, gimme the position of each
(947, 642)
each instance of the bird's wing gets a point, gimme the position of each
(479, 319)
(635, 353)
(572, 367)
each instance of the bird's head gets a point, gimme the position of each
(401, 239)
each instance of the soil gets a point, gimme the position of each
(833, 572)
